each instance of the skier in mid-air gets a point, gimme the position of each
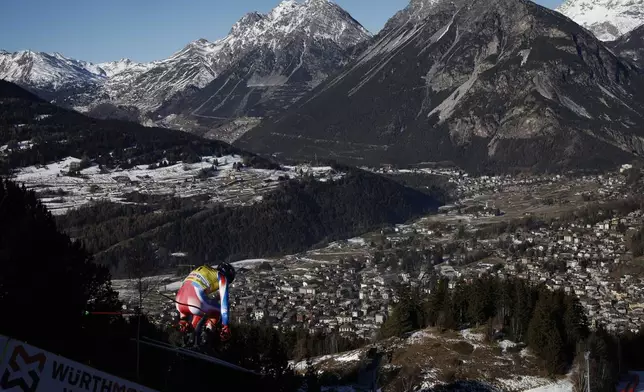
(194, 304)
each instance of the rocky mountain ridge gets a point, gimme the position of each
(630, 46)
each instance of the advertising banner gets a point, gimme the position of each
(25, 368)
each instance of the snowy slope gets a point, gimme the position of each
(39, 69)
(607, 19)
(416, 11)
(114, 68)
(45, 70)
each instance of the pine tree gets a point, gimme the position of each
(407, 315)
(544, 337)
(446, 317)
(435, 302)
(575, 324)
(524, 303)
(459, 304)
(476, 301)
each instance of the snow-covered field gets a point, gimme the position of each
(227, 185)
(250, 263)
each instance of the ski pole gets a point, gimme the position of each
(88, 313)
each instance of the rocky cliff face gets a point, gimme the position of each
(630, 46)
(491, 85)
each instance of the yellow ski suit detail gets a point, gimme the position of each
(206, 277)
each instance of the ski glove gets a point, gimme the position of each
(184, 326)
(225, 333)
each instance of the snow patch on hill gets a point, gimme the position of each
(521, 383)
(227, 185)
(505, 344)
(471, 336)
(419, 337)
(564, 385)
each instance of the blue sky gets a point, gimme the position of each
(145, 30)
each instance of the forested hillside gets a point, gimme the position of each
(36, 132)
(551, 322)
(296, 216)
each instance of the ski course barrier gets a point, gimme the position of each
(27, 368)
(632, 383)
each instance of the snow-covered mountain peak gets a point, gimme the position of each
(113, 68)
(285, 8)
(247, 20)
(318, 3)
(310, 18)
(199, 50)
(607, 19)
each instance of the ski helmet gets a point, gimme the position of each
(228, 271)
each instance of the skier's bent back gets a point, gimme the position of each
(193, 300)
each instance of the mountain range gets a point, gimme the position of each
(505, 86)
(488, 85)
(264, 63)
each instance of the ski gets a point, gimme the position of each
(194, 354)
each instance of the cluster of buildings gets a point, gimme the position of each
(330, 294)
(590, 261)
(325, 297)
(593, 263)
